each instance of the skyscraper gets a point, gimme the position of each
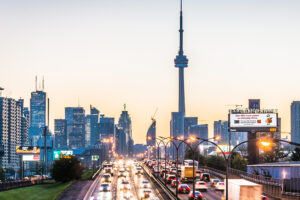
(121, 141)
(60, 133)
(25, 126)
(188, 122)
(151, 133)
(91, 127)
(106, 127)
(125, 123)
(75, 117)
(200, 131)
(295, 121)
(37, 115)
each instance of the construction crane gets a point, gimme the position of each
(152, 117)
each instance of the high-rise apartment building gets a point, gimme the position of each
(200, 131)
(10, 131)
(75, 117)
(60, 133)
(188, 122)
(295, 121)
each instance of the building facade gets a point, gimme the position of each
(91, 127)
(37, 116)
(125, 123)
(60, 133)
(295, 121)
(10, 132)
(75, 117)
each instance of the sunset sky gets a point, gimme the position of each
(107, 53)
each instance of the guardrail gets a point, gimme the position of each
(165, 189)
(94, 184)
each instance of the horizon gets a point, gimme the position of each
(236, 51)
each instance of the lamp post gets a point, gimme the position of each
(262, 142)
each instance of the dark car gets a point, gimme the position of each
(170, 178)
(205, 177)
(198, 195)
(106, 178)
(184, 188)
(174, 182)
(105, 187)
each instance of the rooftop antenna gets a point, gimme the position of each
(1, 89)
(43, 84)
(35, 83)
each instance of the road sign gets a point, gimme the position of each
(95, 157)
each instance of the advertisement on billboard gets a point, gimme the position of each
(62, 154)
(31, 157)
(252, 120)
(27, 150)
(95, 157)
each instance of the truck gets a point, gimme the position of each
(187, 173)
(241, 189)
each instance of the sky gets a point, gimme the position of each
(107, 53)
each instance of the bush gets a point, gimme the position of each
(238, 162)
(66, 169)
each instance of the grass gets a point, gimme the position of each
(87, 174)
(36, 192)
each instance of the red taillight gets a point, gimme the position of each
(200, 195)
(191, 196)
(180, 188)
(204, 183)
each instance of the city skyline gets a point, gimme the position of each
(227, 66)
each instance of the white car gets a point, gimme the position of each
(220, 186)
(201, 186)
(105, 187)
(145, 184)
(125, 185)
(146, 194)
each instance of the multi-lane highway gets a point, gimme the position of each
(124, 184)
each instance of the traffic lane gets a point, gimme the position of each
(97, 194)
(138, 181)
(132, 191)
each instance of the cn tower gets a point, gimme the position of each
(181, 62)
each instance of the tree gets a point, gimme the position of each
(217, 162)
(66, 169)
(198, 157)
(239, 162)
(2, 174)
(273, 154)
(296, 154)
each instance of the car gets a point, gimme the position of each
(220, 186)
(163, 172)
(213, 182)
(106, 178)
(174, 182)
(139, 170)
(145, 184)
(170, 177)
(201, 186)
(184, 188)
(109, 170)
(127, 196)
(125, 185)
(263, 197)
(198, 173)
(146, 194)
(122, 173)
(205, 177)
(198, 195)
(105, 187)
(179, 172)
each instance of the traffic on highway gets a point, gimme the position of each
(122, 180)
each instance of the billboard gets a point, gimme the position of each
(27, 150)
(253, 120)
(95, 157)
(62, 154)
(31, 157)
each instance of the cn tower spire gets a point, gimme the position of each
(181, 62)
